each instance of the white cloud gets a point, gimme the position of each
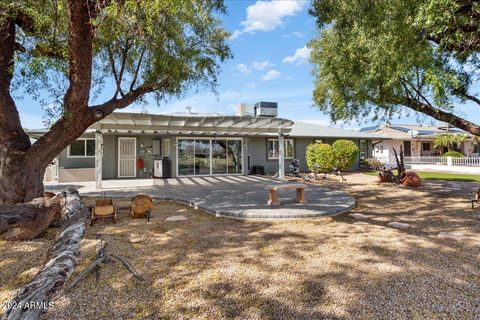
(243, 68)
(250, 85)
(271, 75)
(268, 15)
(297, 34)
(300, 56)
(262, 65)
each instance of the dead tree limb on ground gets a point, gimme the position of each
(102, 258)
(26, 221)
(60, 262)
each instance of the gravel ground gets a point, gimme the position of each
(328, 268)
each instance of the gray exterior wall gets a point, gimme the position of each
(254, 153)
(71, 163)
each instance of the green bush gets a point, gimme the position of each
(372, 163)
(320, 157)
(345, 153)
(454, 154)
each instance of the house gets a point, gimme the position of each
(416, 140)
(138, 145)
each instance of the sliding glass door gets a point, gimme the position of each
(219, 156)
(209, 156)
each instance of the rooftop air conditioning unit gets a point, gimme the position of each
(244, 109)
(266, 109)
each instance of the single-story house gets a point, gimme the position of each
(139, 145)
(416, 140)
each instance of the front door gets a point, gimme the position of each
(127, 153)
(407, 148)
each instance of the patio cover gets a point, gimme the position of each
(191, 124)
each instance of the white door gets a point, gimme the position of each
(127, 154)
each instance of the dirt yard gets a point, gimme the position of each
(328, 268)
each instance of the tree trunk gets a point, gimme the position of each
(59, 265)
(21, 178)
(28, 220)
(17, 183)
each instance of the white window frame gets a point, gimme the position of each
(84, 149)
(284, 148)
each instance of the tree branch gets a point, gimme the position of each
(80, 44)
(437, 114)
(137, 69)
(111, 59)
(111, 105)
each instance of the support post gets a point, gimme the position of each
(449, 161)
(281, 156)
(98, 160)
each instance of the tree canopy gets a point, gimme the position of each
(141, 46)
(373, 58)
(75, 50)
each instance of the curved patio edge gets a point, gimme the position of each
(263, 216)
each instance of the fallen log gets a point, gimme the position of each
(26, 221)
(30, 301)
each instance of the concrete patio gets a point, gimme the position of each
(239, 197)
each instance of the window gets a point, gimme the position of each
(363, 147)
(273, 149)
(166, 147)
(426, 146)
(206, 156)
(82, 148)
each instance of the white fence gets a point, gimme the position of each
(446, 161)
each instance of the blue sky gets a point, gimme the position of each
(269, 64)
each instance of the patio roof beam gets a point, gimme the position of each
(193, 128)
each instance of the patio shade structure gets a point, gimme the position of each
(188, 124)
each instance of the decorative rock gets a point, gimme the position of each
(398, 225)
(176, 218)
(451, 236)
(359, 216)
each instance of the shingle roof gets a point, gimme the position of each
(305, 129)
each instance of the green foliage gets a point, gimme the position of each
(372, 58)
(454, 154)
(372, 163)
(320, 157)
(136, 43)
(447, 140)
(345, 153)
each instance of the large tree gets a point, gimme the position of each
(374, 58)
(73, 49)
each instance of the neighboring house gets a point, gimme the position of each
(138, 145)
(416, 140)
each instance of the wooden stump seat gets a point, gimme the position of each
(273, 195)
(141, 207)
(104, 208)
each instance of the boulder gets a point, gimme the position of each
(398, 225)
(451, 236)
(176, 218)
(359, 216)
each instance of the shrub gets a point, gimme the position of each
(345, 153)
(320, 157)
(373, 164)
(454, 154)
